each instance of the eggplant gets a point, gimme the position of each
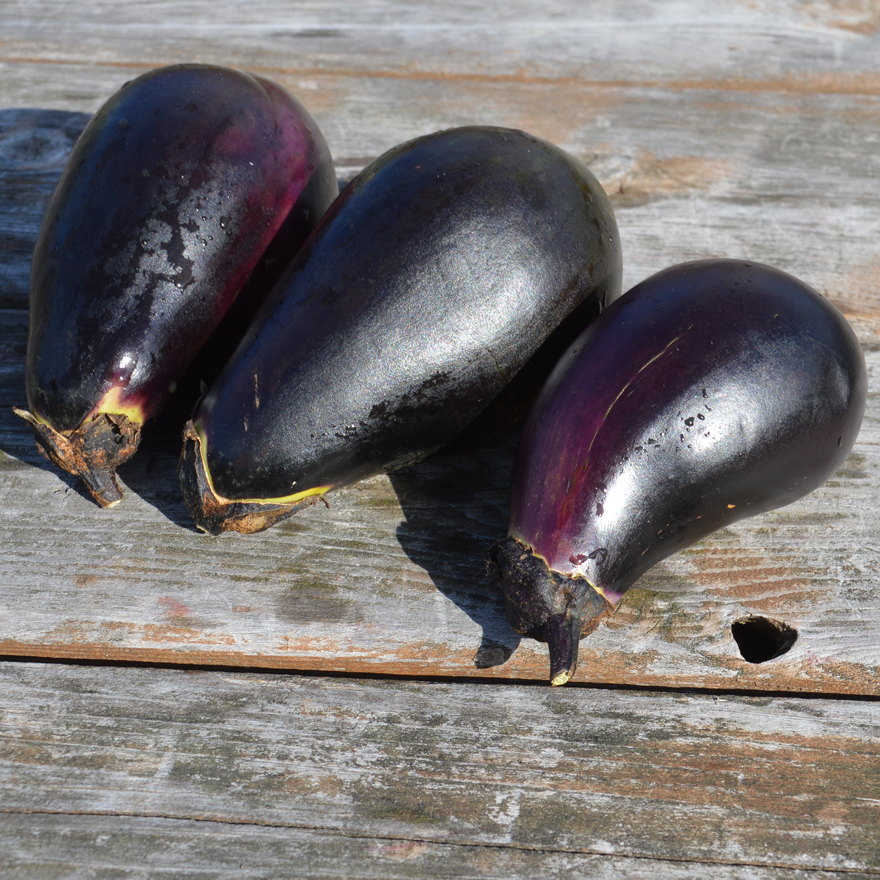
(170, 197)
(435, 278)
(712, 391)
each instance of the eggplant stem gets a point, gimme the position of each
(214, 514)
(547, 605)
(563, 634)
(91, 452)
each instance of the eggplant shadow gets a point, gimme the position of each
(455, 506)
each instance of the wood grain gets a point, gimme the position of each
(391, 577)
(76, 846)
(770, 160)
(744, 131)
(509, 779)
(803, 45)
(785, 179)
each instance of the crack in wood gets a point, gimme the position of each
(234, 669)
(439, 842)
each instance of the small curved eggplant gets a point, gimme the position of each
(712, 391)
(169, 199)
(431, 282)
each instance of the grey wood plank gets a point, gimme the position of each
(744, 132)
(530, 777)
(789, 180)
(93, 847)
(33, 150)
(789, 43)
(391, 577)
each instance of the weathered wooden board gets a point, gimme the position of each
(754, 128)
(787, 179)
(800, 45)
(724, 163)
(747, 131)
(510, 779)
(391, 577)
(39, 846)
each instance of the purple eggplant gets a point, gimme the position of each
(441, 272)
(170, 198)
(712, 391)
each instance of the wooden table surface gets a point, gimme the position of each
(341, 696)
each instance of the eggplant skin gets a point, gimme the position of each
(431, 282)
(170, 197)
(712, 391)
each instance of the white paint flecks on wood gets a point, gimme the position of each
(744, 131)
(525, 776)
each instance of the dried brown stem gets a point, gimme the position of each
(547, 605)
(214, 514)
(92, 452)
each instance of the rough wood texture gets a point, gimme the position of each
(124, 847)
(748, 131)
(505, 779)
(744, 132)
(766, 42)
(788, 179)
(137, 583)
(391, 577)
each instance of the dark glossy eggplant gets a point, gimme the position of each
(169, 199)
(712, 391)
(438, 274)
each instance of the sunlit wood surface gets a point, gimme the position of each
(361, 707)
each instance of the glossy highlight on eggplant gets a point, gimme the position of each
(441, 272)
(170, 197)
(712, 391)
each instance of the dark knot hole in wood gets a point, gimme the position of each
(760, 639)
